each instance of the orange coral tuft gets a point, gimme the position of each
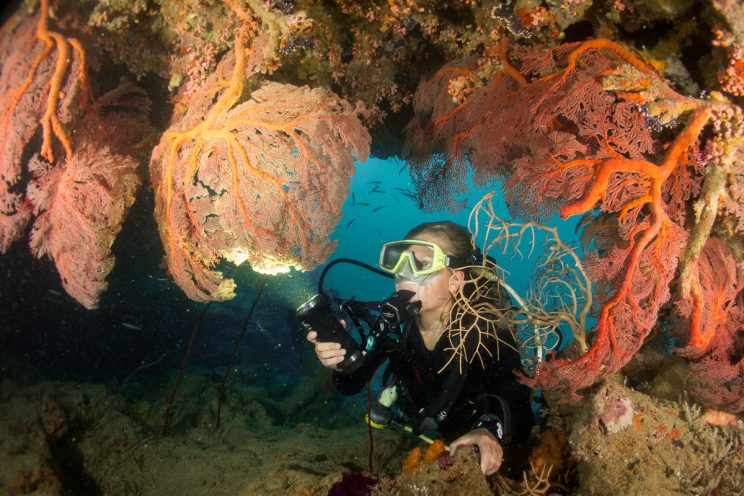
(552, 452)
(415, 459)
(412, 461)
(720, 419)
(434, 451)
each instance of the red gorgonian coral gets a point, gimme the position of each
(81, 205)
(571, 129)
(713, 315)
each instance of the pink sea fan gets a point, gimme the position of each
(81, 205)
(23, 95)
(261, 181)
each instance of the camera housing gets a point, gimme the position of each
(317, 315)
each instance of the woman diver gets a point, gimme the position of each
(469, 402)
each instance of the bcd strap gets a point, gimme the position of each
(436, 412)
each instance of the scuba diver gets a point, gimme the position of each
(479, 403)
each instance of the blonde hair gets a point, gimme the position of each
(457, 238)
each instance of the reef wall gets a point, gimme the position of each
(250, 113)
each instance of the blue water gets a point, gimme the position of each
(144, 317)
(372, 218)
(368, 231)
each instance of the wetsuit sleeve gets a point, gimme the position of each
(504, 407)
(354, 382)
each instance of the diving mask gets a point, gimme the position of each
(414, 260)
(406, 275)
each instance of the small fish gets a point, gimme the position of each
(350, 222)
(353, 199)
(411, 195)
(374, 182)
(363, 204)
(379, 208)
(402, 169)
(55, 292)
(378, 191)
(376, 188)
(131, 326)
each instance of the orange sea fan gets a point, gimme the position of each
(261, 181)
(29, 69)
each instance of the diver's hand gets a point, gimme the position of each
(491, 452)
(329, 354)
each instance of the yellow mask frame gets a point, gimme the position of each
(394, 255)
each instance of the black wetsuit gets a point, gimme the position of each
(456, 401)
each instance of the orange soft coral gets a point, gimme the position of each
(551, 454)
(415, 459)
